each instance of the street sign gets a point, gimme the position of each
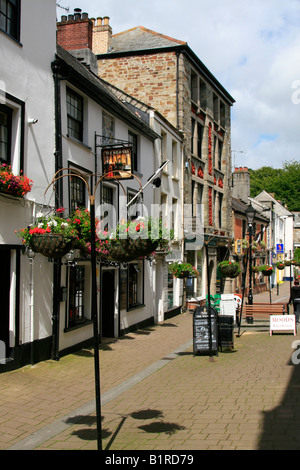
(239, 246)
(279, 248)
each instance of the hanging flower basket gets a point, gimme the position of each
(13, 185)
(280, 265)
(51, 245)
(182, 270)
(51, 236)
(255, 269)
(136, 239)
(266, 269)
(80, 221)
(229, 269)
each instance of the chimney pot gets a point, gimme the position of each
(64, 18)
(106, 20)
(99, 21)
(84, 16)
(70, 17)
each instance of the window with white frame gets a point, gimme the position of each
(108, 128)
(175, 158)
(77, 193)
(12, 115)
(74, 115)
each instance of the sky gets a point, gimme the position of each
(252, 48)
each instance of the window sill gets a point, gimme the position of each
(137, 173)
(16, 41)
(135, 307)
(78, 142)
(84, 322)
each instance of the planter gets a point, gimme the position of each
(280, 266)
(231, 270)
(129, 249)
(255, 269)
(268, 272)
(52, 245)
(183, 275)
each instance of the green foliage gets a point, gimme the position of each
(297, 254)
(283, 183)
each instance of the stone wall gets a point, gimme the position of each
(149, 78)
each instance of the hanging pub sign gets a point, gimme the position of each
(116, 163)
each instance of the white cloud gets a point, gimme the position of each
(252, 48)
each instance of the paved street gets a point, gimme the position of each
(156, 395)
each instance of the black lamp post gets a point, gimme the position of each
(71, 172)
(250, 214)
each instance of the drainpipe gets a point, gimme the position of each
(58, 203)
(177, 88)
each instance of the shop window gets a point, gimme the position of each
(76, 313)
(135, 284)
(170, 291)
(200, 270)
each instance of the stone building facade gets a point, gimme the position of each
(166, 74)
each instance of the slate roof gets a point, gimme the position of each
(240, 207)
(140, 38)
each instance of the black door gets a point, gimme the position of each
(4, 297)
(108, 304)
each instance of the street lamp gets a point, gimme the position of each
(250, 214)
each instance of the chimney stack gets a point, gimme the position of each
(241, 184)
(102, 34)
(75, 31)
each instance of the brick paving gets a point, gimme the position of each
(158, 396)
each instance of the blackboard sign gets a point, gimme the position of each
(205, 338)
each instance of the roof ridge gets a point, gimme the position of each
(151, 32)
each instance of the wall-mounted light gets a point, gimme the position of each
(32, 121)
(70, 258)
(30, 253)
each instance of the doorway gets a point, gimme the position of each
(4, 298)
(108, 304)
